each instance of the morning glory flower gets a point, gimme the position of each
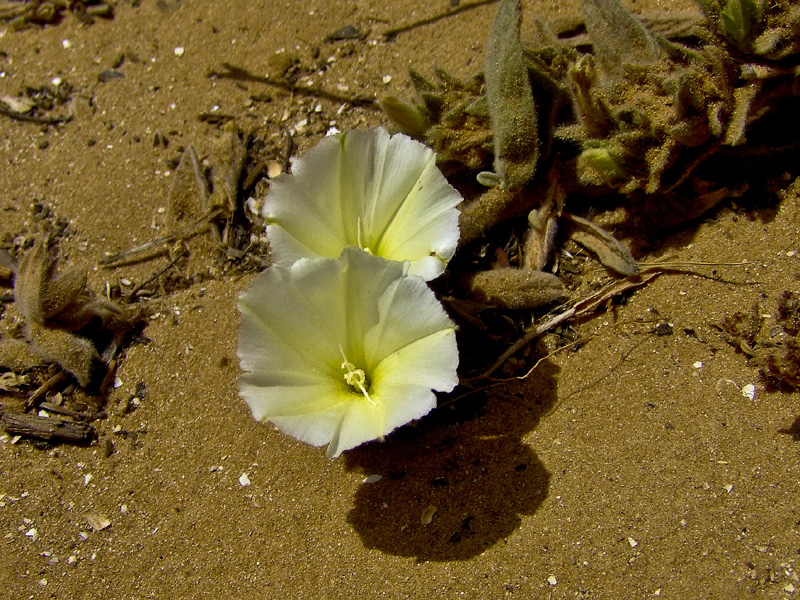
(368, 189)
(341, 351)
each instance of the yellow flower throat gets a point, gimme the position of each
(355, 378)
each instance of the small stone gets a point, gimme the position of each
(179, 51)
(633, 542)
(244, 480)
(33, 534)
(728, 488)
(552, 580)
(373, 478)
(386, 79)
(789, 588)
(749, 391)
(427, 515)
(698, 364)
(87, 478)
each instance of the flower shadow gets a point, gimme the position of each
(468, 461)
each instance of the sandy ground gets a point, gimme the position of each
(632, 467)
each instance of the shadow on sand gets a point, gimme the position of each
(469, 462)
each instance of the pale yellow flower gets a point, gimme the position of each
(368, 189)
(341, 351)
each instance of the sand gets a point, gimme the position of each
(630, 467)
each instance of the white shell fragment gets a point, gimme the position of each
(375, 478)
(244, 480)
(427, 515)
(33, 534)
(97, 521)
(633, 542)
(749, 391)
(552, 580)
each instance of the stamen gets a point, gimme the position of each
(359, 237)
(355, 378)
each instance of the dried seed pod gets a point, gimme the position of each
(515, 289)
(227, 159)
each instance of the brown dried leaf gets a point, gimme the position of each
(609, 250)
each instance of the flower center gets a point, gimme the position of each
(355, 378)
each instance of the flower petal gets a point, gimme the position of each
(293, 317)
(409, 311)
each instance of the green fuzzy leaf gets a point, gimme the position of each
(408, 118)
(618, 36)
(511, 106)
(740, 19)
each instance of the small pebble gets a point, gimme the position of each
(633, 542)
(552, 580)
(427, 515)
(749, 391)
(373, 478)
(179, 51)
(244, 480)
(387, 79)
(274, 168)
(33, 534)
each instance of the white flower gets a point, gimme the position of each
(368, 189)
(343, 351)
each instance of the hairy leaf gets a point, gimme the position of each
(511, 106)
